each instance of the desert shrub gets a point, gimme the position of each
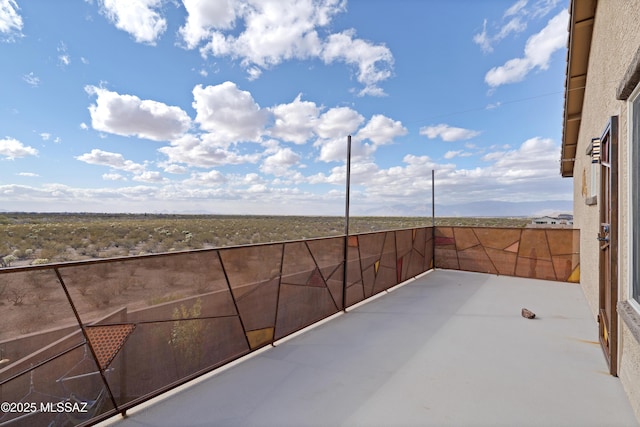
(125, 284)
(101, 296)
(7, 260)
(16, 295)
(48, 252)
(187, 336)
(89, 251)
(32, 320)
(36, 279)
(112, 252)
(165, 245)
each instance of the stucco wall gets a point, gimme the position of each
(616, 38)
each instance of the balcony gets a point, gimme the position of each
(449, 348)
(446, 347)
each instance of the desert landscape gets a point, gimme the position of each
(42, 238)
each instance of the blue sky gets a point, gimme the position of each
(244, 106)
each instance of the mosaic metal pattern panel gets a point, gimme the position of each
(108, 340)
(548, 254)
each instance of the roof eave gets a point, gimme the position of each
(581, 20)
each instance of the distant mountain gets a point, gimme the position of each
(475, 209)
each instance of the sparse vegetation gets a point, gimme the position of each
(33, 238)
(16, 296)
(187, 337)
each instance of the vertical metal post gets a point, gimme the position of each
(433, 199)
(433, 218)
(87, 340)
(346, 226)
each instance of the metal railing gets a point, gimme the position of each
(82, 341)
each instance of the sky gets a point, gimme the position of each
(245, 106)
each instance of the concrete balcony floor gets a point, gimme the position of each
(449, 348)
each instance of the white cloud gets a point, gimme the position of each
(483, 39)
(175, 169)
(543, 7)
(335, 150)
(332, 150)
(448, 133)
(257, 188)
(514, 25)
(403, 183)
(511, 175)
(139, 18)
(381, 130)
(333, 128)
(204, 152)
(252, 179)
(112, 160)
(295, 122)
(31, 79)
(374, 62)
(229, 114)
(361, 173)
(45, 136)
(515, 8)
(63, 57)
(29, 174)
(457, 153)
(10, 20)
(254, 73)
(231, 117)
(205, 15)
(514, 21)
(212, 177)
(149, 176)
(525, 173)
(128, 115)
(12, 149)
(273, 31)
(536, 157)
(338, 123)
(279, 163)
(58, 197)
(113, 177)
(537, 53)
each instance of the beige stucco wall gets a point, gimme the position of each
(616, 38)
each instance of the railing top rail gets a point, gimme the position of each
(108, 260)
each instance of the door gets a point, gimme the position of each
(608, 240)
